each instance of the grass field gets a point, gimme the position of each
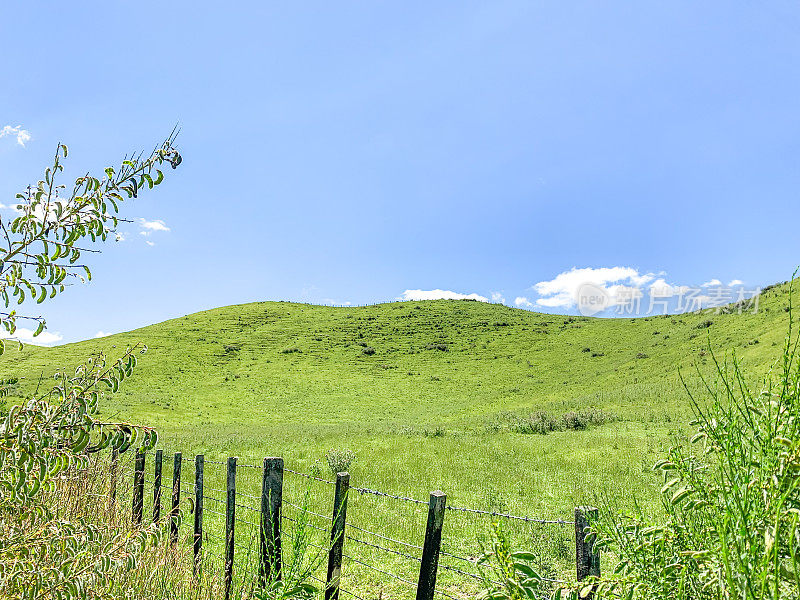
(429, 395)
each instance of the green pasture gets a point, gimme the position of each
(429, 395)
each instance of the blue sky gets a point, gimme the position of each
(351, 152)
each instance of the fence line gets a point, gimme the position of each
(265, 543)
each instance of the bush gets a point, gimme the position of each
(574, 420)
(369, 351)
(538, 422)
(54, 540)
(442, 347)
(339, 460)
(542, 423)
(434, 433)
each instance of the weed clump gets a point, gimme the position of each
(434, 432)
(339, 460)
(442, 347)
(543, 423)
(539, 422)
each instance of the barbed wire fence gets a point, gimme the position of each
(256, 527)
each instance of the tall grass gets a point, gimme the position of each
(163, 568)
(731, 498)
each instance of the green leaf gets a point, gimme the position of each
(681, 494)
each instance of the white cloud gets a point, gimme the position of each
(25, 335)
(562, 291)
(714, 282)
(439, 295)
(522, 301)
(149, 243)
(620, 293)
(733, 282)
(101, 334)
(661, 289)
(18, 132)
(39, 211)
(498, 298)
(154, 225)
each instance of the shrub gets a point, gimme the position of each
(53, 543)
(574, 420)
(339, 460)
(442, 347)
(542, 423)
(538, 422)
(369, 351)
(434, 433)
(44, 446)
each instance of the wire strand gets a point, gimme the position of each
(507, 516)
(397, 552)
(383, 537)
(369, 566)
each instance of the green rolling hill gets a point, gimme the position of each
(433, 394)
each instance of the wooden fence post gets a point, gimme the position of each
(159, 459)
(138, 488)
(199, 463)
(587, 559)
(430, 550)
(176, 497)
(337, 536)
(230, 519)
(112, 483)
(270, 525)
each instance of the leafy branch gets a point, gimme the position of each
(40, 250)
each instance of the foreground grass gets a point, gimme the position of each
(433, 407)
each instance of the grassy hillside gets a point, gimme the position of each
(429, 395)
